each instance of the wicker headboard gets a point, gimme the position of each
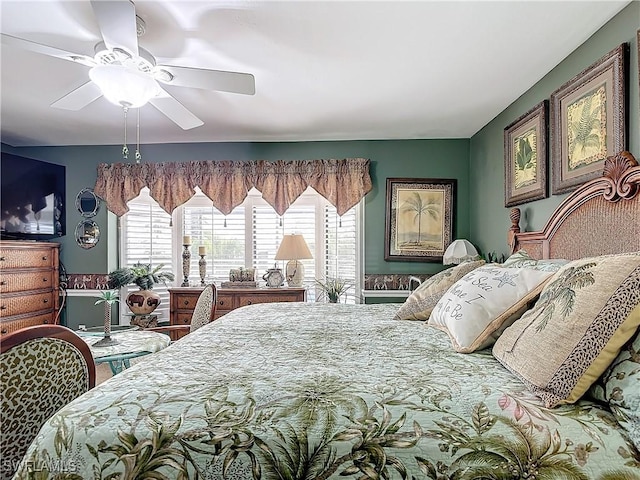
(600, 217)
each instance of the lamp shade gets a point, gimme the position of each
(294, 248)
(459, 251)
(124, 86)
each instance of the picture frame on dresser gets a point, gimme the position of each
(525, 157)
(419, 218)
(588, 121)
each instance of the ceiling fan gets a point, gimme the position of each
(127, 75)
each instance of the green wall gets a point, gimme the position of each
(389, 158)
(489, 219)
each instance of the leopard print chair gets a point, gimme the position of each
(42, 368)
(203, 313)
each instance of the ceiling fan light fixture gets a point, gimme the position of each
(124, 86)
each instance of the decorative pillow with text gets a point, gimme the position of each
(484, 302)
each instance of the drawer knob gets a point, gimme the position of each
(44, 257)
(221, 302)
(186, 302)
(2, 259)
(249, 302)
(46, 300)
(46, 321)
(44, 279)
(3, 307)
(3, 331)
(3, 282)
(185, 320)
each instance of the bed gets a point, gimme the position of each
(319, 391)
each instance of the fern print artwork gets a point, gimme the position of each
(587, 129)
(526, 159)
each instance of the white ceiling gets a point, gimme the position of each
(324, 70)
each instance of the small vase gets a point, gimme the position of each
(143, 302)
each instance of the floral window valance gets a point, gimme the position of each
(342, 182)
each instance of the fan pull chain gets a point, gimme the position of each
(138, 154)
(125, 149)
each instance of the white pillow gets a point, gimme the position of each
(479, 306)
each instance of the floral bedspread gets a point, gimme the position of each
(318, 391)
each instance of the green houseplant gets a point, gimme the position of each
(144, 301)
(108, 298)
(332, 288)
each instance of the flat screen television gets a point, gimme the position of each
(32, 195)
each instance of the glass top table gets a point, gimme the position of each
(132, 343)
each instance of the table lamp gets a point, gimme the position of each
(459, 251)
(294, 249)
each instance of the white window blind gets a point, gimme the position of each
(249, 236)
(146, 238)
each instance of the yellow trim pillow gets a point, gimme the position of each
(421, 301)
(586, 312)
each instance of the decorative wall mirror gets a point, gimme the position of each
(87, 203)
(87, 234)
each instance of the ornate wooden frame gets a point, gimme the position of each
(608, 72)
(600, 217)
(532, 124)
(444, 190)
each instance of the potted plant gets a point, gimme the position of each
(145, 300)
(108, 298)
(332, 288)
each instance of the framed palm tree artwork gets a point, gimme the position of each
(588, 121)
(419, 218)
(525, 157)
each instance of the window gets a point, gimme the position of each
(249, 236)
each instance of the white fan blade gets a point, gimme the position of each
(117, 22)
(79, 98)
(206, 79)
(175, 111)
(46, 50)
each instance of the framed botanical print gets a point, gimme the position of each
(588, 121)
(525, 157)
(419, 218)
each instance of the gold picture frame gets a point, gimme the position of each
(419, 218)
(525, 157)
(588, 121)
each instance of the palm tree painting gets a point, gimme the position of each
(526, 159)
(418, 220)
(587, 129)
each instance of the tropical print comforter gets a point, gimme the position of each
(320, 391)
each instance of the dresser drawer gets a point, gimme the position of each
(270, 298)
(26, 258)
(17, 282)
(182, 318)
(224, 303)
(185, 301)
(27, 321)
(19, 304)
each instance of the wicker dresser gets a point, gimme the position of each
(28, 284)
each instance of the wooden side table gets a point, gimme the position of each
(183, 300)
